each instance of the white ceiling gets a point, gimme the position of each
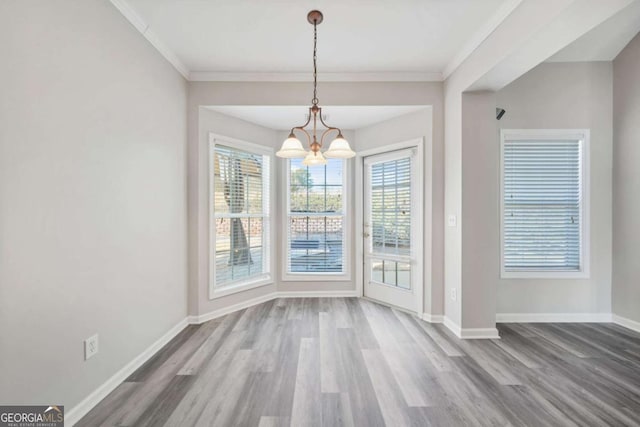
(344, 117)
(605, 41)
(357, 36)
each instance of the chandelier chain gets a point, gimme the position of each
(314, 101)
(292, 147)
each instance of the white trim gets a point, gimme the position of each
(627, 323)
(196, 320)
(480, 333)
(584, 136)
(555, 275)
(139, 24)
(424, 146)
(241, 287)
(399, 76)
(345, 275)
(81, 409)
(471, 333)
(481, 35)
(267, 277)
(315, 277)
(317, 294)
(452, 326)
(553, 318)
(433, 318)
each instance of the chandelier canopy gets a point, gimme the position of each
(292, 147)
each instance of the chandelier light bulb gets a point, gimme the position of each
(339, 149)
(291, 148)
(314, 158)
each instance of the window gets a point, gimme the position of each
(544, 204)
(315, 220)
(240, 229)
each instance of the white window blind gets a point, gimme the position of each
(391, 207)
(315, 215)
(542, 205)
(241, 215)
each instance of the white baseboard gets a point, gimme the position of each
(432, 318)
(480, 333)
(553, 317)
(230, 309)
(471, 333)
(452, 326)
(627, 323)
(317, 294)
(268, 297)
(81, 409)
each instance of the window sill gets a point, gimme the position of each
(316, 277)
(240, 287)
(549, 275)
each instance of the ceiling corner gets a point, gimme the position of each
(139, 24)
(476, 40)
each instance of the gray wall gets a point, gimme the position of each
(562, 96)
(92, 197)
(479, 221)
(626, 182)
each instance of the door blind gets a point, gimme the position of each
(391, 207)
(542, 205)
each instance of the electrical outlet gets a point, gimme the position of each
(90, 347)
(452, 221)
(454, 294)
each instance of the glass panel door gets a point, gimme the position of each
(390, 227)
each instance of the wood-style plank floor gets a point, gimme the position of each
(351, 362)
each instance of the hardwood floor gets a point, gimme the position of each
(351, 362)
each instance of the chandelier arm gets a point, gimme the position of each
(329, 129)
(324, 124)
(301, 128)
(308, 120)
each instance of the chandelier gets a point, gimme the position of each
(292, 147)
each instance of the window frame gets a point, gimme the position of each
(266, 278)
(583, 136)
(345, 275)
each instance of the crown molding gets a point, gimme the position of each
(216, 76)
(400, 76)
(140, 25)
(480, 36)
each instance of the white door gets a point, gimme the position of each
(392, 228)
